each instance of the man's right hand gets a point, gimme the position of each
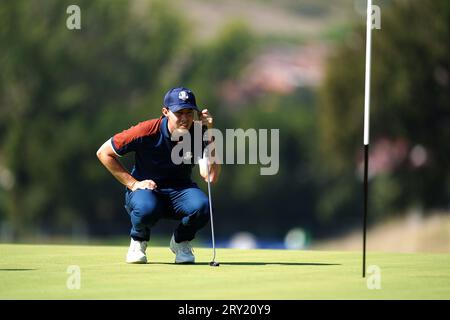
(144, 184)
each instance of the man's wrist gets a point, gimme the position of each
(131, 185)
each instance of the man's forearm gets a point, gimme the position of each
(118, 170)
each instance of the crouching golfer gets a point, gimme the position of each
(157, 187)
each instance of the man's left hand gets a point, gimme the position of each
(206, 118)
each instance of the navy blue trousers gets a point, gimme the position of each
(188, 205)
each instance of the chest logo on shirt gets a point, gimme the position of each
(187, 156)
(183, 95)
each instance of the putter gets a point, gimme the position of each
(213, 263)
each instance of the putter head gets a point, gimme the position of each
(214, 264)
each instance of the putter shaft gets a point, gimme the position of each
(210, 210)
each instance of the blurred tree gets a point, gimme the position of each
(210, 65)
(64, 92)
(410, 114)
(271, 205)
(246, 200)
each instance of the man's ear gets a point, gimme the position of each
(165, 111)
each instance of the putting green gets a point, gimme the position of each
(45, 272)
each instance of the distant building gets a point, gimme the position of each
(280, 71)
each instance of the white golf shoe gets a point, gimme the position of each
(182, 250)
(136, 252)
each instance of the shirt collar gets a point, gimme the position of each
(165, 128)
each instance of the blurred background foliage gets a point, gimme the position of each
(63, 93)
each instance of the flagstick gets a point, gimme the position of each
(366, 124)
(366, 164)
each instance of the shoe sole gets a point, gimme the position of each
(184, 262)
(179, 262)
(137, 261)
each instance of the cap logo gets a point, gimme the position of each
(183, 95)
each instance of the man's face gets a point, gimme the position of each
(181, 119)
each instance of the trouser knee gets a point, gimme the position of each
(145, 213)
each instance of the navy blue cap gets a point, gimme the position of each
(180, 98)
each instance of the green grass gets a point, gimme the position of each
(40, 272)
